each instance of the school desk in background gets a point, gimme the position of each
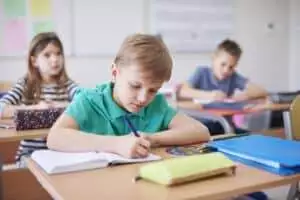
(36, 119)
(283, 97)
(225, 105)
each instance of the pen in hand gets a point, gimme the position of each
(131, 127)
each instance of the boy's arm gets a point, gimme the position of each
(66, 136)
(186, 91)
(182, 130)
(251, 91)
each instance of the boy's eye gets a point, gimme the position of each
(153, 91)
(58, 53)
(135, 86)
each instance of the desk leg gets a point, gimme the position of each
(287, 125)
(294, 192)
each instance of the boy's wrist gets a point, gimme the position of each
(153, 139)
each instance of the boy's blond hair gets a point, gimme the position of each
(148, 52)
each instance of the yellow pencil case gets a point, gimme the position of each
(184, 169)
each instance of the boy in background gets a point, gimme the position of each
(221, 80)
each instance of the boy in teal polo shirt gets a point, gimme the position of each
(95, 120)
(157, 115)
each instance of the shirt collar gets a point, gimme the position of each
(214, 79)
(114, 109)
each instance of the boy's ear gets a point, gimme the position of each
(114, 72)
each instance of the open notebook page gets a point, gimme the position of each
(59, 162)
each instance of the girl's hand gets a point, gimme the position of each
(62, 104)
(43, 105)
(130, 146)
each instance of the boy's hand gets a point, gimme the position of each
(151, 139)
(130, 146)
(217, 95)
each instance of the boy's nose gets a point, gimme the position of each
(226, 71)
(142, 97)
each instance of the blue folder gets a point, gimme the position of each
(272, 154)
(226, 105)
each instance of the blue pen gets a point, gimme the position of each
(131, 127)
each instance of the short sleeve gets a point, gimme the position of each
(240, 81)
(79, 109)
(195, 79)
(168, 113)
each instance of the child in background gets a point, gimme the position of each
(219, 83)
(97, 119)
(221, 80)
(45, 85)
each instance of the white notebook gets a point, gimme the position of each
(54, 162)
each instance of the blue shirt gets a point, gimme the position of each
(95, 111)
(204, 79)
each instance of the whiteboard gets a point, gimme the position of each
(191, 26)
(20, 20)
(100, 26)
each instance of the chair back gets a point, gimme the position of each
(295, 118)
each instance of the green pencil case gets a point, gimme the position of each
(189, 168)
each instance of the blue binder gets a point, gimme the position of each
(272, 154)
(226, 105)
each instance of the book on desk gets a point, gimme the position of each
(227, 104)
(272, 154)
(54, 162)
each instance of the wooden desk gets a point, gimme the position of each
(10, 140)
(117, 183)
(264, 105)
(21, 184)
(8, 135)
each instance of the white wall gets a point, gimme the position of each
(265, 59)
(266, 51)
(294, 44)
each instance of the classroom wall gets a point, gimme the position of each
(265, 59)
(263, 30)
(294, 45)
